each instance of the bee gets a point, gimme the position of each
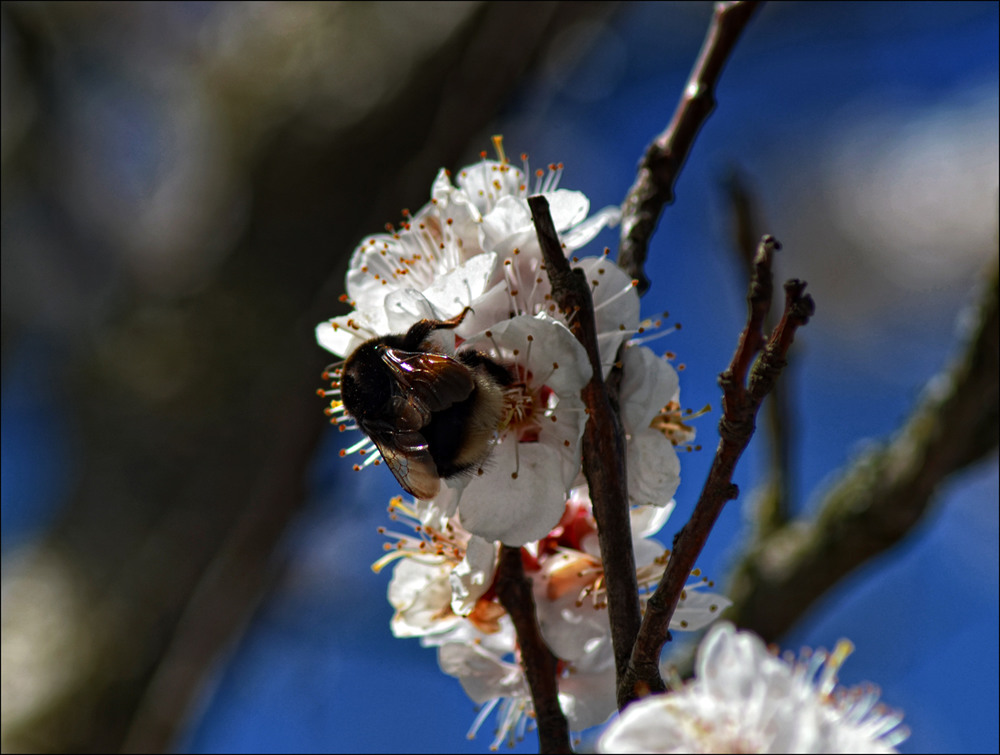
(431, 415)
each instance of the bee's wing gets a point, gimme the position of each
(406, 455)
(432, 382)
(423, 383)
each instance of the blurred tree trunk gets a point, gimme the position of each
(167, 538)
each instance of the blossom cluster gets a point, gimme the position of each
(443, 591)
(471, 258)
(472, 253)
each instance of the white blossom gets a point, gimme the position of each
(454, 252)
(473, 249)
(649, 383)
(471, 255)
(521, 493)
(440, 577)
(490, 672)
(744, 699)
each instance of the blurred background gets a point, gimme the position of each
(185, 556)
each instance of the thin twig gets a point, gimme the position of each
(774, 499)
(740, 402)
(658, 170)
(514, 591)
(603, 444)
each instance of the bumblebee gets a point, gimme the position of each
(431, 415)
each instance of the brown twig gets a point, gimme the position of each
(658, 170)
(603, 444)
(514, 591)
(740, 402)
(774, 499)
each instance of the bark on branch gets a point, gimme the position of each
(658, 170)
(514, 591)
(603, 444)
(883, 495)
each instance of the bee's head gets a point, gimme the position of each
(366, 381)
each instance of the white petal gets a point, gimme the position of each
(588, 699)
(406, 306)
(496, 506)
(464, 632)
(364, 289)
(461, 287)
(698, 609)
(564, 435)
(342, 335)
(647, 550)
(509, 217)
(652, 725)
(450, 494)
(585, 232)
(420, 593)
(616, 306)
(555, 358)
(482, 674)
(487, 181)
(728, 662)
(654, 471)
(648, 384)
(455, 206)
(648, 520)
(473, 576)
(328, 337)
(573, 631)
(489, 308)
(568, 208)
(442, 187)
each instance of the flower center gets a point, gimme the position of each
(519, 412)
(672, 422)
(427, 542)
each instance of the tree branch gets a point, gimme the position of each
(884, 494)
(740, 402)
(603, 444)
(658, 170)
(538, 662)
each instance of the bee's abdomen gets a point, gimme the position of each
(460, 437)
(446, 436)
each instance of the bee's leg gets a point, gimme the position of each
(454, 322)
(419, 331)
